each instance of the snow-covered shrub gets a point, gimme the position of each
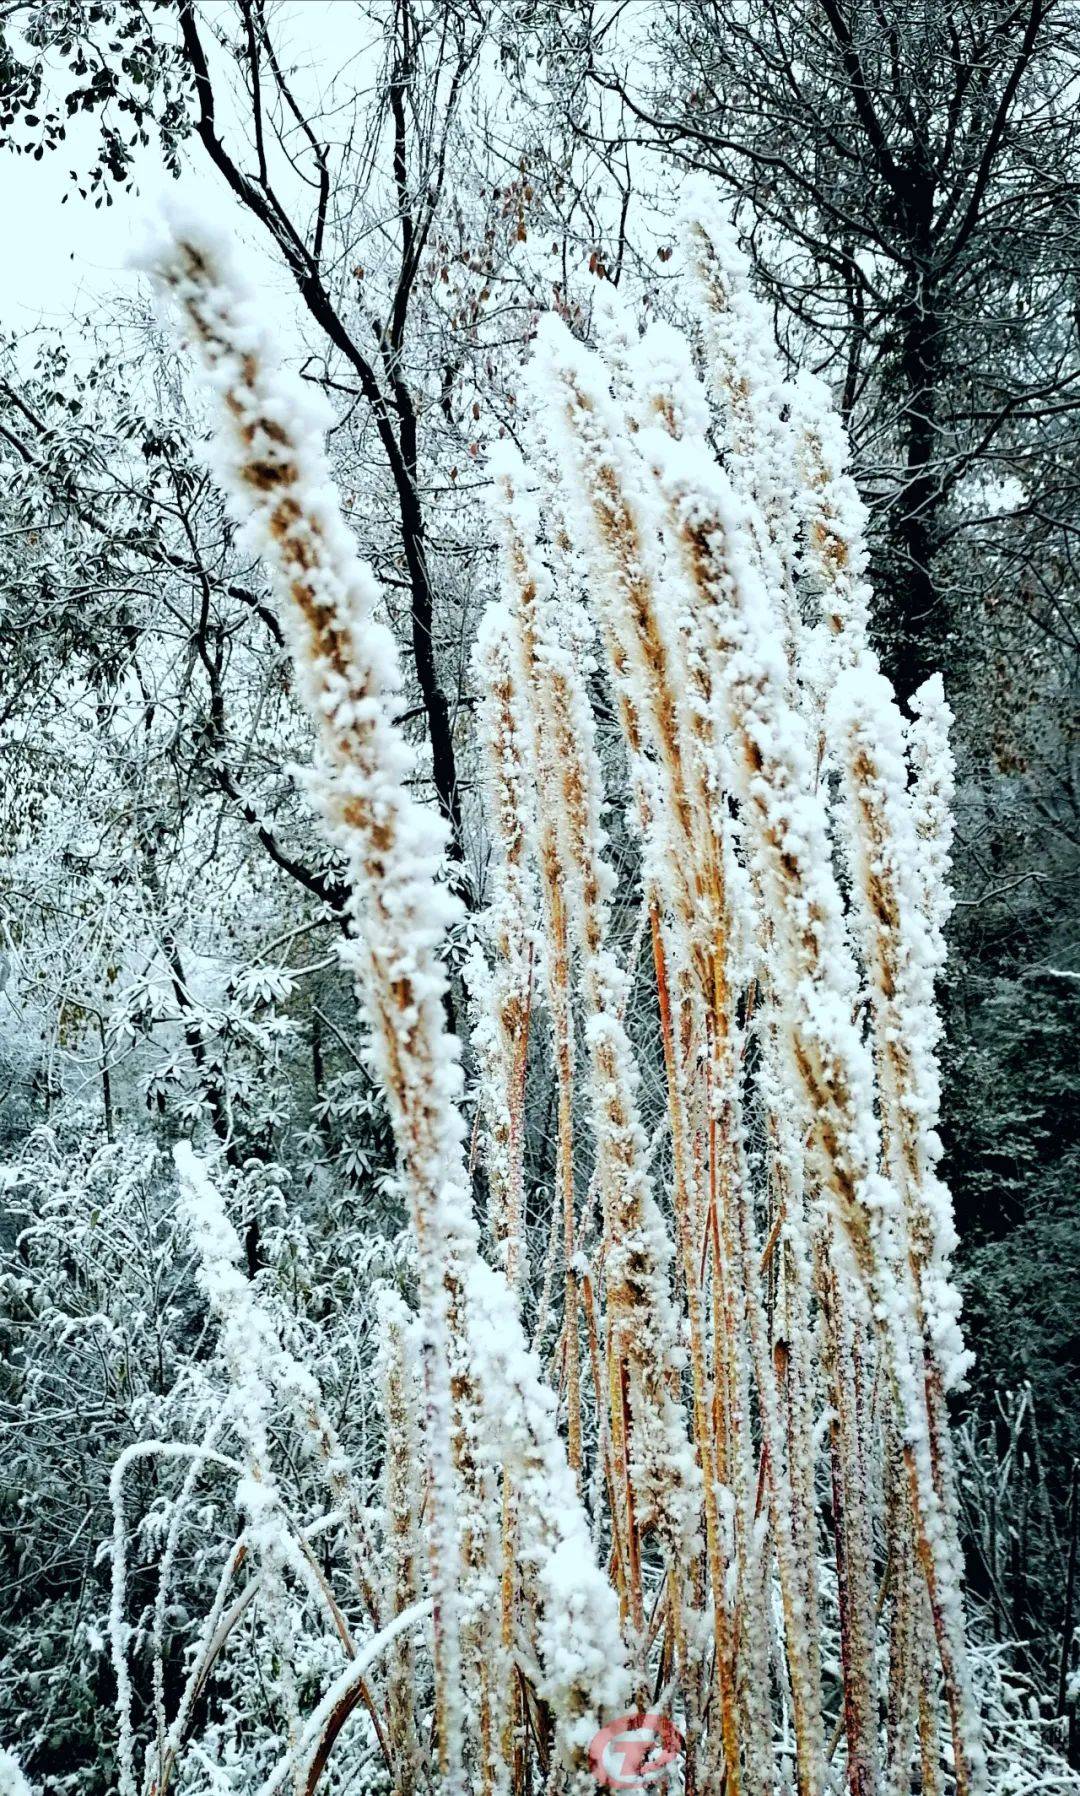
(730, 1495)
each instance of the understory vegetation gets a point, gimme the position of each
(537, 1105)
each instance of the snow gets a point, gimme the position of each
(554, 648)
(316, 1722)
(271, 461)
(12, 1781)
(800, 1042)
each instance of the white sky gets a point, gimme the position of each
(72, 258)
(68, 257)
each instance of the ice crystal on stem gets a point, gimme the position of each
(753, 1351)
(270, 460)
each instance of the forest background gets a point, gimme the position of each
(417, 183)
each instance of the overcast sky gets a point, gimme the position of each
(72, 257)
(68, 257)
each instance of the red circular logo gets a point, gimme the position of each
(634, 1751)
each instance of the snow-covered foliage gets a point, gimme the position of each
(693, 569)
(270, 459)
(643, 1408)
